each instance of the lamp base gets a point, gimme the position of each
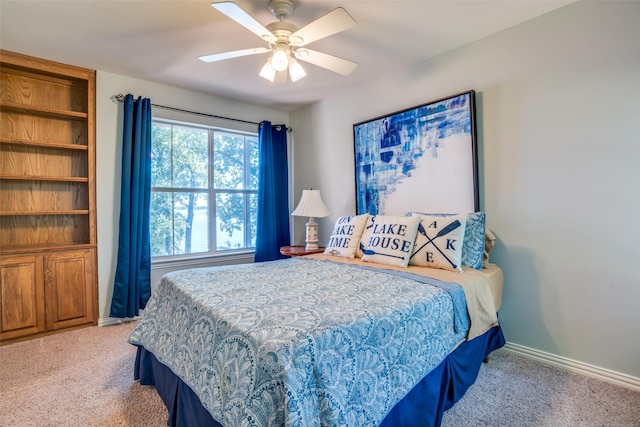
(311, 247)
(312, 235)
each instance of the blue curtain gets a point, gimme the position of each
(132, 285)
(273, 193)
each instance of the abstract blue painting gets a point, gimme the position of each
(420, 159)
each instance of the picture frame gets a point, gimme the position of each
(421, 159)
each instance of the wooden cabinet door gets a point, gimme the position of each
(69, 289)
(21, 296)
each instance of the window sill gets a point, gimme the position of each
(231, 257)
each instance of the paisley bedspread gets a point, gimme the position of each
(299, 342)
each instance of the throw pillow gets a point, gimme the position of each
(439, 242)
(345, 237)
(391, 240)
(474, 236)
(489, 242)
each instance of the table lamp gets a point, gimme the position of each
(311, 205)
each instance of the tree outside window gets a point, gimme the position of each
(204, 189)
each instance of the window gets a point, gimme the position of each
(204, 189)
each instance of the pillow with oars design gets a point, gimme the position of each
(438, 243)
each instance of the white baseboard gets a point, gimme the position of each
(575, 366)
(110, 321)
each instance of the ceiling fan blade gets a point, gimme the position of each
(236, 13)
(333, 22)
(233, 54)
(330, 62)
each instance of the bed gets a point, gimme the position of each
(317, 340)
(389, 327)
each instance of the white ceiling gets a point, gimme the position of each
(161, 40)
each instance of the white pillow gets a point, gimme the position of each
(345, 237)
(391, 240)
(439, 241)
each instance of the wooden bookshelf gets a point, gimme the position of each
(48, 273)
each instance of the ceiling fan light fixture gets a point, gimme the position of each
(296, 71)
(268, 72)
(286, 41)
(280, 59)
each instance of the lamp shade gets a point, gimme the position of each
(311, 205)
(268, 72)
(296, 71)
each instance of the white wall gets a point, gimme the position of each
(558, 104)
(109, 158)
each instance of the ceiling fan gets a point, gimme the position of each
(286, 42)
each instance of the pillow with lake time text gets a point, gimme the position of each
(391, 240)
(345, 237)
(439, 242)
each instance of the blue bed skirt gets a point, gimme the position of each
(423, 406)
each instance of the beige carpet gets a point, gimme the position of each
(85, 378)
(515, 391)
(76, 379)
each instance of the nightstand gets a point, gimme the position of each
(299, 251)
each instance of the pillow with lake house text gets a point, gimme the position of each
(391, 240)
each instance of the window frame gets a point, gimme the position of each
(212, 191)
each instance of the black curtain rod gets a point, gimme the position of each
(120, 98)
